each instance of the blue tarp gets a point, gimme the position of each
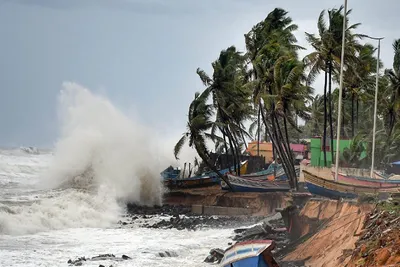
(396, 163)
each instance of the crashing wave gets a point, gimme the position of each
(30, 150)
(102, 161)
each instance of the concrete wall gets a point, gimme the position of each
(317, 154)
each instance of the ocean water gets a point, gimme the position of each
(66, 203)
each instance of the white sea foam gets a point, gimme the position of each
(101, 161)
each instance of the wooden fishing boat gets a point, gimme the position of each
(253, 253)
(270, 170)
(335, 190)
(366, 181)
(240, 184)
(192, 182)
(205, 180)
(280, 175)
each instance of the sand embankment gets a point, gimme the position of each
(339, 227)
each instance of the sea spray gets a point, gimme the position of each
(101, 161)
(101, 146)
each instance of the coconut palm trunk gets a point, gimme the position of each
(203, 155)
(258, 129)
(233, 150)
(352, 115)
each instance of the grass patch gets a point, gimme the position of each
(360, 262)
(391, 207)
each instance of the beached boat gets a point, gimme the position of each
(366, 181)
(280, 175)
(240, 184)
(270, 170)
(335, 190)
(205, 180)
(253, 253)
(191, 182)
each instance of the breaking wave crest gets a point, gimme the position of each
(101, 161)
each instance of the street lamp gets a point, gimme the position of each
(376, 103)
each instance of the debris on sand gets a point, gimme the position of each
(379, 243)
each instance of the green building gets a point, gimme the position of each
(317, 153)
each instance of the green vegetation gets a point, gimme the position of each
(270, 86)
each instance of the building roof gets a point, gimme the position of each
(264, 146)
(267, 146)
(298, 147)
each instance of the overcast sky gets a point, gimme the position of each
(142, 54)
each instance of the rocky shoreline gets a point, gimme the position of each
(245, 227)
(181, 218)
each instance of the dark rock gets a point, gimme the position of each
(167, 254)
(101, 265)
(77, 262)
(195, 222)
(103, 257)
(216, 255)
(165, 209)
(126, 257)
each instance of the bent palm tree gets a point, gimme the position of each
(326, 58)
(230, 98)
(199, 122)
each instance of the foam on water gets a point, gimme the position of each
(101, 161)
(142, 245)
(65, 203)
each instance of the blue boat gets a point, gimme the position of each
(171, 173)
(240, 184)
(325, 192)
(273, 167)
(336, 190)
(255, 253)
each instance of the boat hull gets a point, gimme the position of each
(206, 180)
(240, 184)
(192, 182)
(280, 175)
(368, 182)
(331, 189)
(325, 192)
(250, 254)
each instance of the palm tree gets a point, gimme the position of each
(198, 125)
(231, 99)
(326, 57)
(358, 79)
(394, 78)
(269, 42)
(276, 25)
(316, 115)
